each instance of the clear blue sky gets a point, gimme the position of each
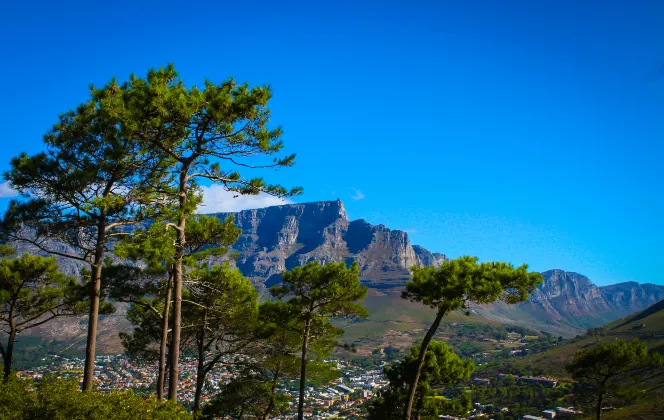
(528, 131)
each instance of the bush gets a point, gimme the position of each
(57, 399)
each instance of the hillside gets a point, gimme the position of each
(647, 326)
(568, 303)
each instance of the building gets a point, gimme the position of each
(541, 380)
(567, 412)
(529, 417)
(549, 414)
(481, 381)
(344, 389)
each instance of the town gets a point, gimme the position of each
(345, 396)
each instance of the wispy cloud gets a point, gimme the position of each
(7, 191)
(413, 230)
(217, 200)
(357, 194)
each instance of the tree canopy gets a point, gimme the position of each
(459, 283)
(441, 367)
(608, 369)
(32, 293)
(315, 293)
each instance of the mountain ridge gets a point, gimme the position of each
(281, 237)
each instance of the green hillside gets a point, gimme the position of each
(647, 326)
(646, 411)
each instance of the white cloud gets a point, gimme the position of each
(217, 200)
(357, 194)
(7, 191)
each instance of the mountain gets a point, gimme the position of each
(569, 303)
(279, 238)
(646, 325)
(282, 237)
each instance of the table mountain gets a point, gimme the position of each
(282, 237)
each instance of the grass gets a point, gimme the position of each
(644, 411)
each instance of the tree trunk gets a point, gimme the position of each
(420, 362)
(7, 357)
(303, 368)
(273, 392)
(93, 316)
(599, 406)
(161, 382)
(7, 354)
(177, 285)
(200, 369)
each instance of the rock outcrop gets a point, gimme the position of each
(282, 237)
(569, 303)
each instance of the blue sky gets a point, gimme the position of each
(527, 131)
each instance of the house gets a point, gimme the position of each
(481, 381)
(549, 414)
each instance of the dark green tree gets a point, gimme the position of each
(316, 293)
(88, 184)
(209, 134)
(32, 293)
(441, 367)
(221, 310)
(57, 399)
(154, 248)
(245, 396)
(455, 285)
(608, 369)
(280, 340)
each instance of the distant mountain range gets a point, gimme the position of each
(569, 303)
(279, 238)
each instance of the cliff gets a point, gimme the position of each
(282, 237)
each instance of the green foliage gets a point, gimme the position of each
(315, 293)
(94, 178)
(55, 399)
(32, 293)
(91, 180)
(210, 131)
(203, 134)
(329, 290)
(244, 397)
(520, 398)
(460, 282)
(606, 370)
(442, 367)
(154, 246)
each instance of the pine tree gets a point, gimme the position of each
(457, 284)
(32, 292)
(608, 368)
(209, 134)
(316, 293)
(150, 289)
(86, 186)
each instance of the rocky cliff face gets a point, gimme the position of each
(569, 303)
(282, 237)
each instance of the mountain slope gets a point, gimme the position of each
(568, 303)
(647, 326)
